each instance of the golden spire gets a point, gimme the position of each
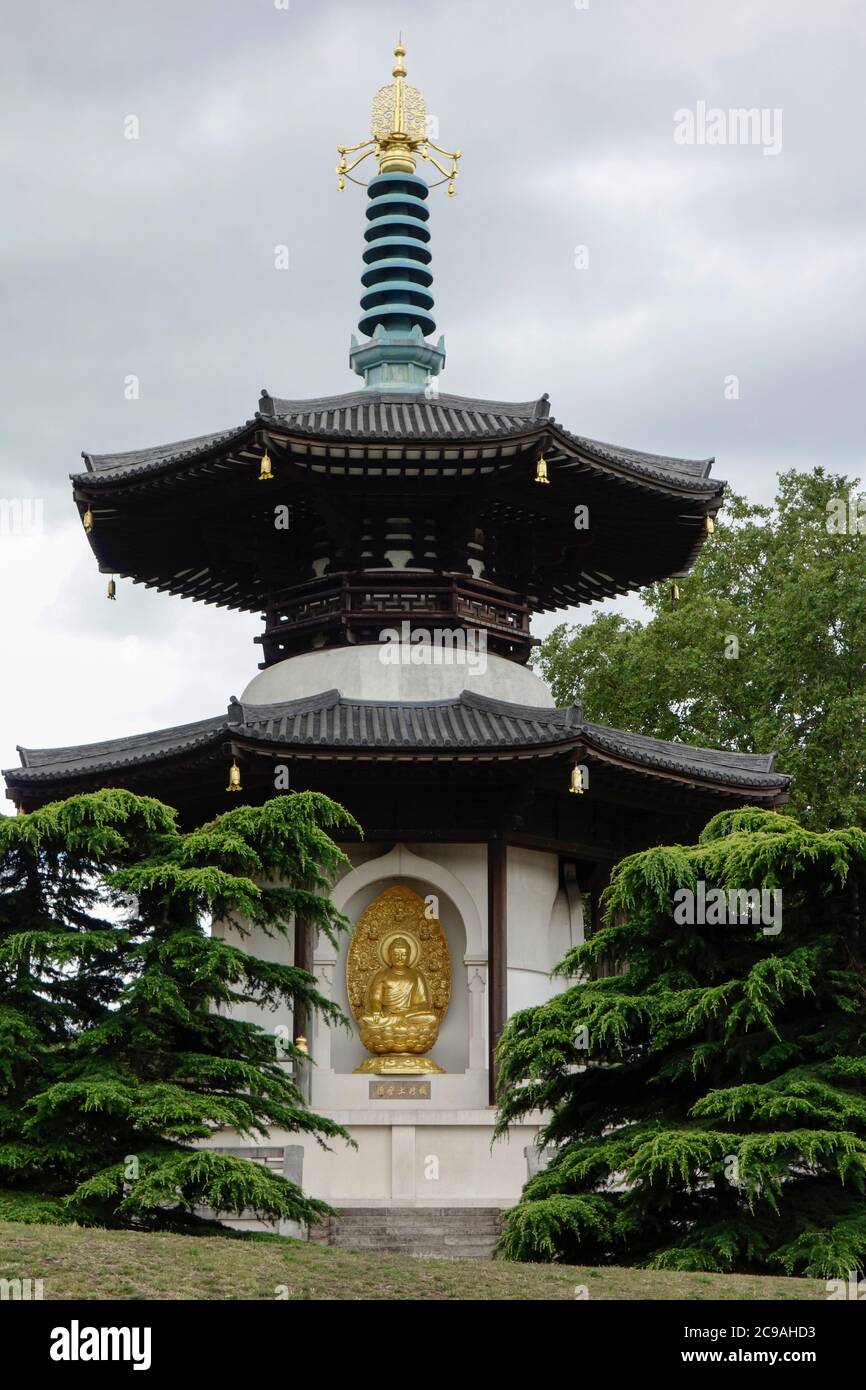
(399, 132)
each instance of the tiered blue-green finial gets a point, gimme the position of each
(397, 301)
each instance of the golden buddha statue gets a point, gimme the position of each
(399, 978)
(398, 1001)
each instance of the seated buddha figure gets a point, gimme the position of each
(399, 1016)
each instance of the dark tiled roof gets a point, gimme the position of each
(659, 466)
(119, 752)
(465, 724)
(137, 461)
(686, 758)
(398, 416)
(374, 417)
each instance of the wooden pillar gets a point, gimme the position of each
(303, 961)
(497, 948)
(302, 1020)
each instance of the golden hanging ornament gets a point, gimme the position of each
(301, 1044)
(709, 525)
(675, 592)
(576, 781)
(234, 778)
(87, 521)
(541, 471)
(112, 588)
(266, 473)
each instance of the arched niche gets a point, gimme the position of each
(461, 923)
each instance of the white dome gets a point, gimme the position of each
(370, 673)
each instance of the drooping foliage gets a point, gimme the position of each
(122, 1036)
(707, 1104)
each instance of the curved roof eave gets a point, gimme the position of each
(367, 417)
(468, 724)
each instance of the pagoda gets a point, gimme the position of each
(397, 540)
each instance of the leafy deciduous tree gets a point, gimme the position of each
(765, 650)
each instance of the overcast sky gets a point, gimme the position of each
(155, 258)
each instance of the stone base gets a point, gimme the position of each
(411, 1155)
(399, 1064)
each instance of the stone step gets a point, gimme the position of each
(426, 1232)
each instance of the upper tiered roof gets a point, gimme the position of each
(447, 483)
(394, 418)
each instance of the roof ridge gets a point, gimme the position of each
(257, 714)
(443, 400)
(497, 706)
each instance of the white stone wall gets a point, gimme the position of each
(544, 922)
(414, 1158)
(402, 1143)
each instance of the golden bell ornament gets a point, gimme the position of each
(576, 781)
(709, 525)
(112, 589)
(675, 592)
(234, 778)
(266, 474)
(87, 521)
(541, 471)
(301, 1044)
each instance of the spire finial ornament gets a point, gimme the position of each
(397, 299)
(399, 133)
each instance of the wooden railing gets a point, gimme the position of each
(352, 608)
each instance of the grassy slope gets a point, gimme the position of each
(77, 1263)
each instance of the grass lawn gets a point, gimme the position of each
(78, 1263)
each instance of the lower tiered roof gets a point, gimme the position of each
(469, 728)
